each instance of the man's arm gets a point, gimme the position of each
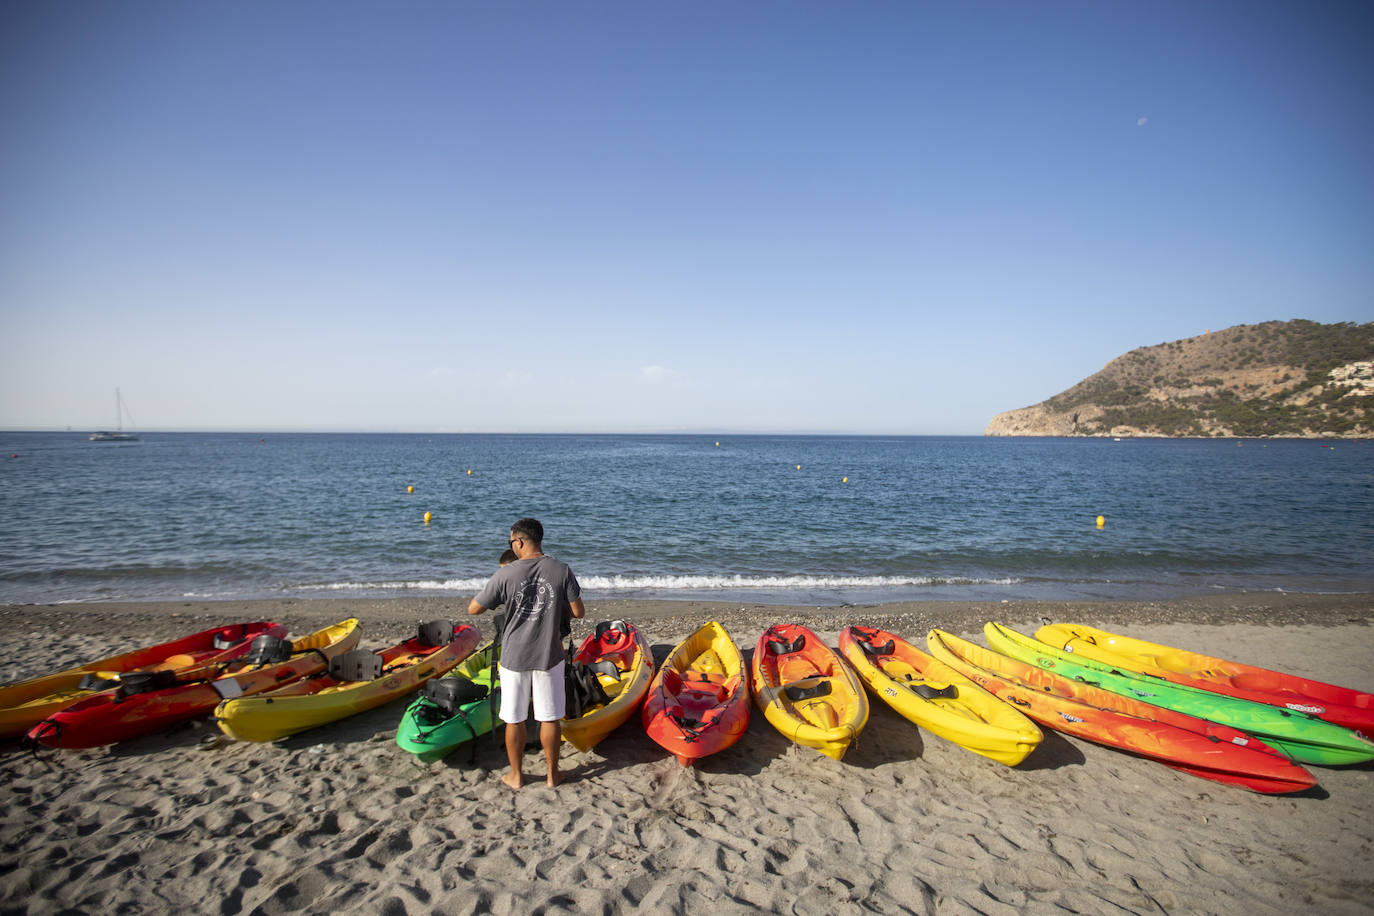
(578, 610)
(475, 608)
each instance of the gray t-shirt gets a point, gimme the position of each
(537, 593)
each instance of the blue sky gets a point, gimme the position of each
(722, 217)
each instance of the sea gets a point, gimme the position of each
(808, 520)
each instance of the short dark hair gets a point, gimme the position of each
(507, 556)
(529, 528)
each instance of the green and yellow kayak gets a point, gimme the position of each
(454, 709)
(1302, 737)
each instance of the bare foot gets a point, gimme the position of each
(513, 780)
(555, 779)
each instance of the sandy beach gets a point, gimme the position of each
(339, 819)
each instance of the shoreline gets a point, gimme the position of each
(339, 819)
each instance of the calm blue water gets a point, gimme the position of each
(182, 515)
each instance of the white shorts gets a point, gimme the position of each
(547, 686)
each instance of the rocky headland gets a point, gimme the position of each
(1296, 379)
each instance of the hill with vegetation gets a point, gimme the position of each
(1280, 378)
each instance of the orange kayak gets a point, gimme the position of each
(1192, 745)
(698, 703)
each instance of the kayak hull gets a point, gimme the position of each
(1304, 738)
(1206, 749)
(26, 703)
(111, 716)
(698, 702)
(1348, 708)
(430, 734)
(806, 690)
(626, 648)
(319, 700)
(934, 696)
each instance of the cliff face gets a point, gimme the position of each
(1295, 378)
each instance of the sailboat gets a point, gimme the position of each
(118, 435)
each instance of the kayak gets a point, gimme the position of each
(698, 703)
(1348, 708)
(618, 656)
(26, 703)
(453, 709)
(1186, 743)
(931, 694)
(1304, 738)
(806, 690)
(162, 699)
(355, 682)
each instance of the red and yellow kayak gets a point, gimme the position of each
(1342, 706)
(620, 656)
(161, 699)
(26, 703)
(355, 682)
(1195, 746)
(698, 703)
(806, 690)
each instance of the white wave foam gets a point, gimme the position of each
(683, 583)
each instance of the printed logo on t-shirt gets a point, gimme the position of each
(532, 598)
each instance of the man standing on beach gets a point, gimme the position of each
(538, 591)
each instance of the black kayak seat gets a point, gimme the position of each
(449, 693)
(796, 693)
(436, 633)
(928, 692)
(268, 650)
(136, 682)
(783, 647)
(869, 648)
(357, 665)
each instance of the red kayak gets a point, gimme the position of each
(1195, 746)
(698, 703)
(26, 703)
(150, 701)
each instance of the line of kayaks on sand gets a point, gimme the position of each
(1221, 720)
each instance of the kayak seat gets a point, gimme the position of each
(94, 681)
(948, 692)
(798, 692)
(449, 693)
(436, 633)
(136, 682)
(869, 648)
(357, 665)
(783, 647)
(268, 650)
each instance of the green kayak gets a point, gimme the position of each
(452, 709)
(1302, 737)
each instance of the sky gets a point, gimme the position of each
(719, 217)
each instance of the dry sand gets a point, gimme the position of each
(339, 819)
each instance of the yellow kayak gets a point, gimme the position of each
(934, 696)
(806, 690)
(618, 654)
(356, 681)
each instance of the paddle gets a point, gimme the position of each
(500, 621)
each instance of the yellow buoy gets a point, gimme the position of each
(717, 445)
(844, 480)
(410, 489)
(1102, 521)
(469, 472)
(799, 467)
(427, 518)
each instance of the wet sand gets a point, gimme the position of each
(339, 819)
